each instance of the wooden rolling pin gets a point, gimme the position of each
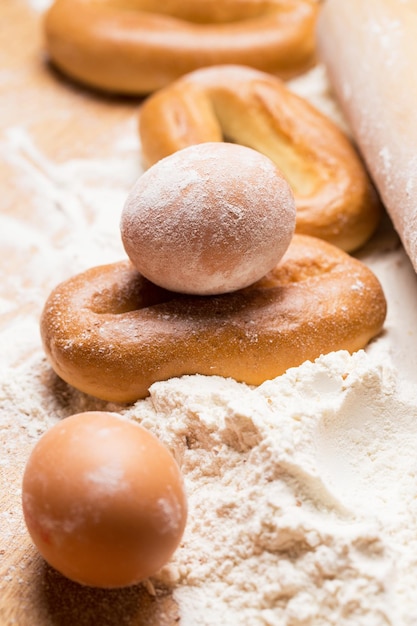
(370, 49)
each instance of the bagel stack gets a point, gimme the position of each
(187, 228)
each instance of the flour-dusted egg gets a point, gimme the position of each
(208, 219)
(103, 500)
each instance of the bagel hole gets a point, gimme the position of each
(303, 177)
(296, 271)
(254, 126)
(200, 11)
(137, 293)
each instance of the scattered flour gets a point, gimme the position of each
(40, 5)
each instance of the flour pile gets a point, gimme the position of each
(301, 506)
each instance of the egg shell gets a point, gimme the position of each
(103, 500)
(209, 219)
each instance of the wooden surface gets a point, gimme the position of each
(64, 122)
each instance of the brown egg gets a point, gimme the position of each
(208, 219)
(103, 500)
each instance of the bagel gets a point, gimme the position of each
(334, 197)
(111, 333)
(138, 46)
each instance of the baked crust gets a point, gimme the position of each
(136, 47)
(111, 333)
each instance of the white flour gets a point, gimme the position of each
(276, 534)
(40, 5)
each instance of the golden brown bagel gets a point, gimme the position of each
(111, 333)
(334, 197)
(138, 46)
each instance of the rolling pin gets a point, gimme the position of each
(369, 48)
